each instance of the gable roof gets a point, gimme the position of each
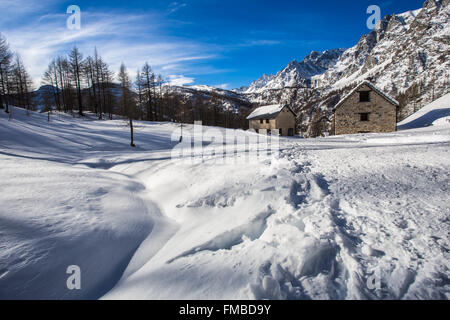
(268, 112)
(374, 88)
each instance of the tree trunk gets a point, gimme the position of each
(4, 88)
(132, 133)
(80, 103)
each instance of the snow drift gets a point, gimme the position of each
(320, 221)
(435, 113)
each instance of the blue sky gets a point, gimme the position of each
(220, 43)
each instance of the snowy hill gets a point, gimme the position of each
(316, 222)
(227, 99)
(437, 113)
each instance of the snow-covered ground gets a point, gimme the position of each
(436, 113)
(348, 217)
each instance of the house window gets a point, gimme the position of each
(261, 121)
(267, 121)
(364, 96)
(364, 117)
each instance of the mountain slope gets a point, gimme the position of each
(437, 112)
(406, 56)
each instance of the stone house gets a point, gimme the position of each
(365, 109)
(274, 117)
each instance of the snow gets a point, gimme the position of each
(202, 88)
(411, 14)
(408, 17)
(435, 113)
(266, 111)
(314, 223)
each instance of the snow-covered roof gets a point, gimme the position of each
(374, 88)
(268, 112)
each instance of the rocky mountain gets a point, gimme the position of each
(298, 74)
(259, 84)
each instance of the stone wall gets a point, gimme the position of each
(284, 121)
(382, 114)
(257, 125)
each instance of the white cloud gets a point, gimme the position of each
(223, 86)
(263, 42)
(175, 6)
(179, 80)
(258, 43)
(23, 6)
(117, 36)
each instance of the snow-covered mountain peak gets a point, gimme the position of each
(409, 15)
(260, 83)
(298, 73)
(323, 59)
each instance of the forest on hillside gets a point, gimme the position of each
(77, 84)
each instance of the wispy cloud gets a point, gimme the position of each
(175, 6)
(179, 80)
(262, 42)
(18, 7)
(117, 36)
(223, 86)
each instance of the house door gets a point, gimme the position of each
(290, 132)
